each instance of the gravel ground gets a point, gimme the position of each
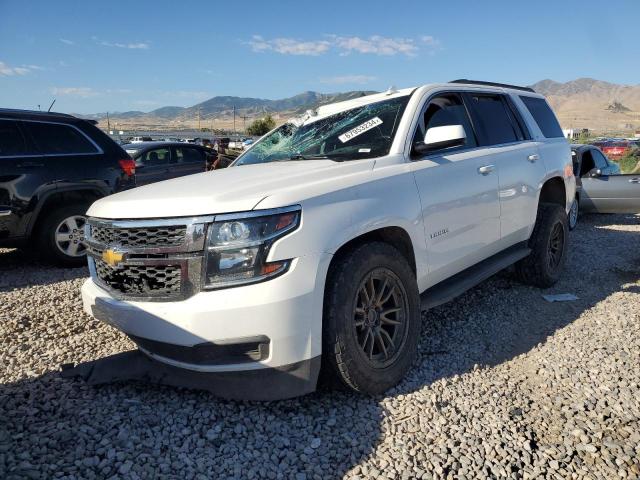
(506, 385)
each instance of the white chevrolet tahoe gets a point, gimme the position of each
(317, 250)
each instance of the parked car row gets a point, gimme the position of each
(53, 166)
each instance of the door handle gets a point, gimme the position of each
(29, 164)
(634, 180)
(486, 169)
(5, 213)
(533, 157)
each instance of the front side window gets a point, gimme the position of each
(544, 116)
(59, 139)
(11, 140)
(494, 119)
(363, 132)
(442, 111)
(157, 157)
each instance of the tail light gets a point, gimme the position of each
(128, 166)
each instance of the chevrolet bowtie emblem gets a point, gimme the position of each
(111, 257)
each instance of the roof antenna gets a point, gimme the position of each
(54, 101)
(391, 90)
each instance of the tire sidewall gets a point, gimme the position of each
(554, 217)
(572, 218)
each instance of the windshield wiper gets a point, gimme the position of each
(317, 156)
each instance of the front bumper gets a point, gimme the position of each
(286, 311)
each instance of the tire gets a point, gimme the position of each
(572, 218)
(377, 363)
(56, 225)
(548, 243)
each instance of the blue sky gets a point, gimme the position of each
(94, 56)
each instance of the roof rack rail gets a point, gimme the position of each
(492, 84)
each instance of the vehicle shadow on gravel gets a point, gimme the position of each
(501, 318)
(28, 271)
(50, 424)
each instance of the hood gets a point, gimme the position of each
(233, 189)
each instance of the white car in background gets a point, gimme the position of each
(321, 245)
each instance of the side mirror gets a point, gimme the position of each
(438, 138)
(595, 172)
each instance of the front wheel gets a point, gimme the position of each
(371, 319)
(573, 214)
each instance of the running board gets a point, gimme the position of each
(461, 282)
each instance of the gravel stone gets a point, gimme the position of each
(505, 385)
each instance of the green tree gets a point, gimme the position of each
(261, 126)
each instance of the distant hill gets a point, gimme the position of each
(593, 104)
(582, 103)
(221, 109)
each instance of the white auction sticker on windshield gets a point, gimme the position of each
(360, 129)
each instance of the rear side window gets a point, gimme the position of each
(157, 157)
(543, 115)
(189, 155)
(12, 142)
(59, 139)
(494, 119)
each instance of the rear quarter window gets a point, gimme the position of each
(544, 116)
(59, 139)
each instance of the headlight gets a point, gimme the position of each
(238, 246)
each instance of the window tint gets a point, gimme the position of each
(442, 111)
(494, 119)
(188, 155)
(152, 158)
(56, 138)
(544, 117)
(588, 163)
(600, 160)
(11, 139)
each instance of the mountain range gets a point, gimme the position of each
(582, 103)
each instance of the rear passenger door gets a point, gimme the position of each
(506, 142)
(21, 177)
(153, 166)
(187, 161)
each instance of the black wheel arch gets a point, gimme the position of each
(62, 197)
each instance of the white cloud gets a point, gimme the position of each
(345, 45)
(289, 46)
(131, 46)
(9, 71)
(348, 79)
(146, 103)
(82, 92)
(67, 42)
(376, 45)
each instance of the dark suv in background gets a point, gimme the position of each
(52, 167)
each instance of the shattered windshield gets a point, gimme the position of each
(362, 132)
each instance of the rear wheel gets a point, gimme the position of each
(548, 242)
(61, 236)
(371, 319)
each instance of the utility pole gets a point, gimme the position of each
(234, 119)
(108, 123)
(244, 123)
(198, 118)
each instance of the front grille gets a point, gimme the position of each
(169, 236)
(141, 280)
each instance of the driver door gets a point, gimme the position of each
(458, 189)
(609, 193)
